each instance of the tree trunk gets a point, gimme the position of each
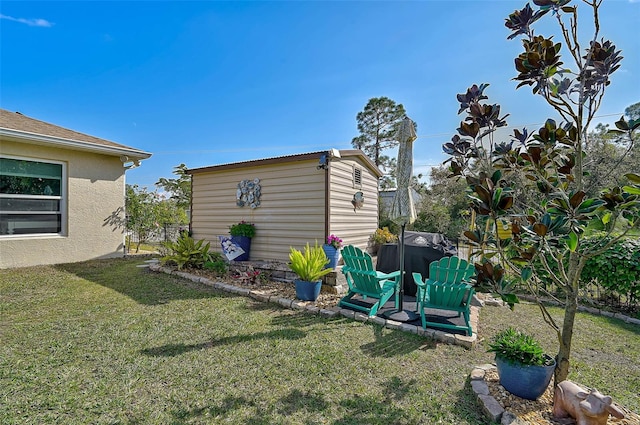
(576, 264)
(564, 352)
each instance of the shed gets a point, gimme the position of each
(59, 190)
(301, 198)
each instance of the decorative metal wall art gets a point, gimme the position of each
(248, 193)
(358, 200)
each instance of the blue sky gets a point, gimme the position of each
(205, 83)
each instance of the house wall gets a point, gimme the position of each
(354, 226)
(291, 212)
(95, 191)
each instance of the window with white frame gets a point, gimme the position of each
(31, 196)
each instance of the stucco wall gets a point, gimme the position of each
(95, 191)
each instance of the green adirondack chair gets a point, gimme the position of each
(364, 280)
(446, 289)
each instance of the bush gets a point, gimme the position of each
(517, 347)
(389, 224)
(617, 269)
(216, 264)
(382, 236)
(185, 252)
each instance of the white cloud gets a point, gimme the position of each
(37, 22)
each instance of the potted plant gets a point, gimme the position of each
(332, 250)
(241, 234)
(380, 237)
(523, 367)
(310, 267)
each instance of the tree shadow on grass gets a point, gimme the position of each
(308, 404)
(391, 343)
(139, 284)
(232, 408)
(170, 350)
(388, 343)
(301, 319)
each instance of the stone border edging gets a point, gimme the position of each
(309, 307)
(592, 310)
(490, 406)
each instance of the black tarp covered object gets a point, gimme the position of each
(421, 249)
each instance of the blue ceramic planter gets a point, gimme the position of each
(308, 291)
(528, 382)
(333, 254)
(245, 244)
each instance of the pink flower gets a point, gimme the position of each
(334, 241)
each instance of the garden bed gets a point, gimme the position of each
(537, 412)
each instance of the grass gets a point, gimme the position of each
(148, 247)
(105, 342)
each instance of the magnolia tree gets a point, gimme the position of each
(532, 185)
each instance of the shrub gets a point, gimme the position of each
(617, 269)
(517, 347)
(185, 252)
(389, 224)
(216, 264)
(382, 236)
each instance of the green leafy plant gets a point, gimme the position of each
(616, 269)
(309, 264)
(216, 264)
(517, 347)
(382, 236)
(186, 252)
(243, 229)
(535, 180)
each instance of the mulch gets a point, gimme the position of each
(539, 412)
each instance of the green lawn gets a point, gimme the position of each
(105, 342)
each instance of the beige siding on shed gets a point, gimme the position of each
(353, 225)
(291, 212)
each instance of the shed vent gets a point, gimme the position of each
(357, 177)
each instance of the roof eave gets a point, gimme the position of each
(40, 139)
(288, 158)
(359, 153)
(256, 162)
